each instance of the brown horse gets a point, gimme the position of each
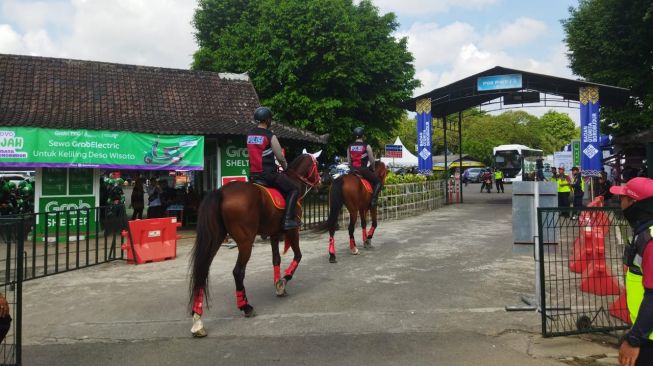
(243, 210)
(349, 190)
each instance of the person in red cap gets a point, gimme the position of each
(637, 204)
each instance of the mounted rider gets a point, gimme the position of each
(361, 161)
(263, 146)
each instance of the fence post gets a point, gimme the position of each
(18, 307)
(539, 286)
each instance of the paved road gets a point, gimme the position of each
(431, 292)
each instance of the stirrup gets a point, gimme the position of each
(290, 224)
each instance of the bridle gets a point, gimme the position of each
(311, 180)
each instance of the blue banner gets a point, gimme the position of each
(424, 126)
(590, 137)
(498, 82)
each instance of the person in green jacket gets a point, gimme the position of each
(498, 180)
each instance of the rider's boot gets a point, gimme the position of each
(289, 221)
(375, 195)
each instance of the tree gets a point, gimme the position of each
(611, 42)
(558, 130)
(323, 65)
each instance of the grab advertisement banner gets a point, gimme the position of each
(42, 147)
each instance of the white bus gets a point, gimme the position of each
(515, 161)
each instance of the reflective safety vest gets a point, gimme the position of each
(634, 285)
(358, 154)
(498, 174)
(563, 184)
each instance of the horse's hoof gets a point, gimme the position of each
(332, 258)
(198, 329)
(367, 244)
(248, 311)
(354, 251)
(280, 287)
(201, 333)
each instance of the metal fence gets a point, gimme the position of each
(581, 270)
(395, 201)
(43, 244)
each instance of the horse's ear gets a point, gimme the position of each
(304, 151)
(316, 155)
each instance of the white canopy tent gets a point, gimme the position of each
(407, 159)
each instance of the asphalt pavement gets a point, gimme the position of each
(432, 291)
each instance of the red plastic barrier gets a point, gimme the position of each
(597, 278)
(619, 308)
(589, 223)
(154, 240)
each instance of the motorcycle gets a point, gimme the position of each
(170, 154)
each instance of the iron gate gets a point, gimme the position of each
(44, 244)
(581, 278)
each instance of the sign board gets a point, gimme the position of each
(498, 82)
(54, 148)
(234, 161)
(393, 151)
(575, 149)
(563, 159)
(62, 192)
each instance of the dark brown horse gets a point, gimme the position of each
(349, 190)
(243, 211)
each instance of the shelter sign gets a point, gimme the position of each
(234, 161)
(63, 193)
(590, 148)
(498, 82)
(43, 147)
(424, 147)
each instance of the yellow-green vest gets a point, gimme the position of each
(635, 293)
(498, 174)
(563, 185)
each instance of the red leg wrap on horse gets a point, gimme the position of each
(241, 299)
(198, 302)
(352, 243)
(332, 245)
(291, 268)
(277, 273)
(364, 234)
(371, 232)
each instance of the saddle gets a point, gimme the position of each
(365, 182)
(274, 194)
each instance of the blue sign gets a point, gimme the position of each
(498, 82)
(424, 148)
(590, 139)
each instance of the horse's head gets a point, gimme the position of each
(304, 168)
(380, 170)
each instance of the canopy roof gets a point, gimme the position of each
(463, 94)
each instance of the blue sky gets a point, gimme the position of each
(449, 38)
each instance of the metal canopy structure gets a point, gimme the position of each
(468, 92)
(463, 94)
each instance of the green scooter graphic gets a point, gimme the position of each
(166, 155)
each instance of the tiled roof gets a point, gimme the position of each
(73, 94)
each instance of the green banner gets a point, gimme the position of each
(234, 161)
(64, 214)
(42, 147)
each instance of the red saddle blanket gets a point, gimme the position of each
(366, 184)
(274, 194)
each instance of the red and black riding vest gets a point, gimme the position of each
(261, 157)
(358, 154)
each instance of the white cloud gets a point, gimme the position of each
(434, 45)
(517, 33)
(143, 32)
(421, 7)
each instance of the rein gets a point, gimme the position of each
(311, 180)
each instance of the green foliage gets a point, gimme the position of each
(482, 132)
(323, 65)
(611, 42)
(405, 178)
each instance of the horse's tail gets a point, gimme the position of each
(210, 234)
(335, 204)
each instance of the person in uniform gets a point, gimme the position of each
(361, 161)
